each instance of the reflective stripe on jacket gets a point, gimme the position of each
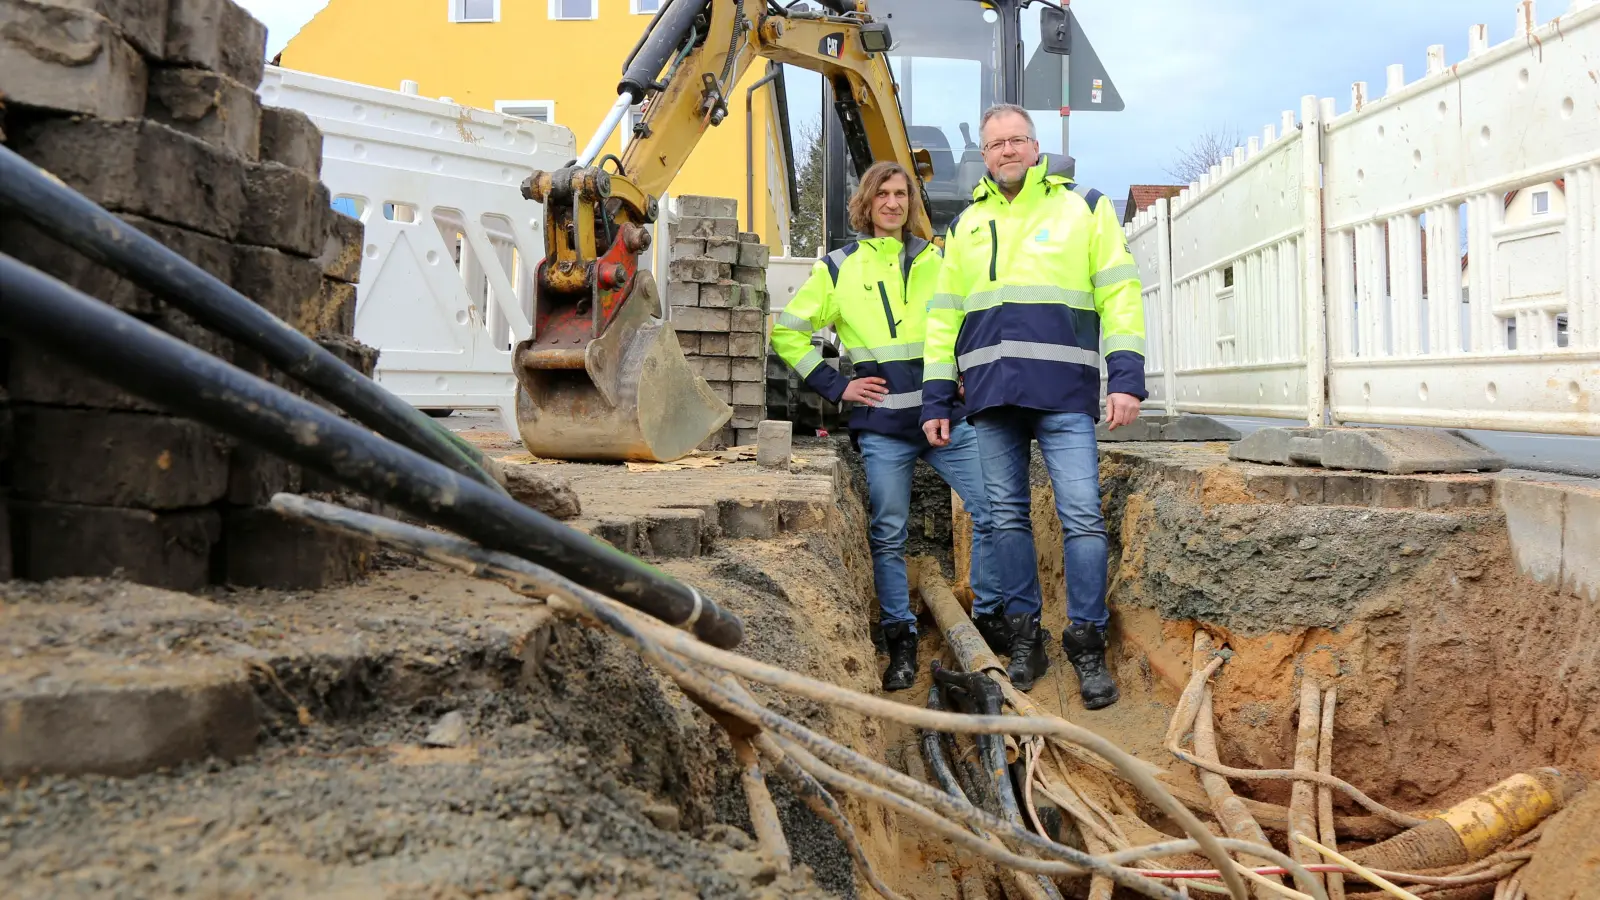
(874, 292)
(1030, 292)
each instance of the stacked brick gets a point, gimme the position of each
(717, 284)
(149, 108)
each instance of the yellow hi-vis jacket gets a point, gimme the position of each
(1030, 291)
(875, 293)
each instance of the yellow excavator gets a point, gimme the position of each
(602, 376)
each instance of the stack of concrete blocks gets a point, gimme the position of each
(717, 285)
(149, 108)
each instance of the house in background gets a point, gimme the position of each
(1143, 196)
(1530, 277)
(555, 61)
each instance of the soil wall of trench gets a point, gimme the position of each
(1453, 668)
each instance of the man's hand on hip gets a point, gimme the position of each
(938, 432)
(1121, 409)
(870, 391)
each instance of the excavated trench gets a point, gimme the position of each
(422, 734)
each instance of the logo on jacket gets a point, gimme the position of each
(1042, 236)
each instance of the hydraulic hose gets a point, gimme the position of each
(666, 34)
(933, 751)
(149, 363)
(83, 225)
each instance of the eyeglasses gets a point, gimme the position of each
(1019, 142)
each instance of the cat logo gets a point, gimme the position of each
(832, 45)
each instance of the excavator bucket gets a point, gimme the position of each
(628, 394)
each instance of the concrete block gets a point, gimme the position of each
(1445, 494)
(713, 344)
(341, 248)
(126, 719)
(287, 209)
(688, 248)
(1536, 520)
(1168, 428)
(698, 271)
(747, 393)
(1345, 490)
(752, 277)
(748, 320)
(723, 390)
(748, 519)
(70, 60)
(67, 265)
(674, 533)
(207, 105)
(720, 295)
(254, 476)
(711, 368)
(744, 369)
(263, 549)
(688, 342)
(162, 549)
(747, 345)
(1396, 493)
(290, 138)
(331, 310)
(117, 459)
(774, 442)
(723, 250)
(804, 513)
(217, 35)
(754, 255)
(700, 206)
(544, 492)
(746, 437)
(709, 227)
(747, 416)
(142, 23)
(1580, 545)
(690, 318)
(278, 282)
(683, 293)
(144, 168)
(1392, 451)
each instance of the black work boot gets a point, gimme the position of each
(1028, 659)
(996, 632)
(902, 668)
(1086, 650)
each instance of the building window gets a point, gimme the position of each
(474, 10)
(1541, 202)
(634, 117)
(537, 110)
(574, 9)
(645, 7)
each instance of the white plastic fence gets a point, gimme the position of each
(1318, 273)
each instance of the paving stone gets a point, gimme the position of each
(207, 105)
(754, 255)
(689, 342)
(774, 443)
(674, 533)
(288, 210)
(700, 206)
(709, 227)
(748, 519)
(115, 458)
(698, 271)
(747, 416)
(747, 345)
(690, 318)
(255, 475)
(749, 237)
(745, 437)
(1396, 493)
(281, 283)
(620, 532)
(217, 35)
(723, 250)
(1345, 490)
(144, 168)
(723, 390)
(713, 345)
(261, 548)
(361, 357)
(546, 493)
(43, 378)
(749, 276)
(127, 719)
(1444, 494)
(1536, 520)
(162, 549)
(684, 247)
(711, 368)
(746, 393)
(722, 439)
(70, 60)
(804, 513)
(143, 23)
(290, 138)
(1393, 451)
(719, 295)
(744, 369)
(341, 248)
(1580, 545)
(332, 309)
(748, 320)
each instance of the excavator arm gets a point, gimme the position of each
(602, 376)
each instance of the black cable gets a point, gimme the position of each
(149, 363)
(83, 225)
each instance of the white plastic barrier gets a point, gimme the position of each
(1402, 328)
(446, 274)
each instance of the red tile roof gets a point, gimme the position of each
(1144, 196)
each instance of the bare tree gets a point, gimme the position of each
(805, 223)
(1203, 152)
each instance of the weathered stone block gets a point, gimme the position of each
(713, 345)
(690, 318)
(1536, 515)
(802, 513)
(546, 493)
(673, 533)
(722, 250)
(255, 475)
(688, 248)
(207, 105)
(689, 342)
(709, 227)
(699, 206)
(620, 532)
(774, 443)
(749, 276)
(747, 416)
(263, 549)
(723, 390)
(290, 138)
(749, 237)
(711, 368)
(288, 209)
(754, 255)
(1393, 451)
(750, 320)
(1345, 490)
(719, 295)
(1580, 545)
(162, 549)
(351, 352)
(747, 393)
(721, 440)
(142, 23)
(72, 60)
(331, 310)
(748, 519)
(217, 35)
(701, 271)
(278, 282)
(746, 344)
(117, 459)
(342, 242)
(1396, 493)
(43, 378)
(742, 369)
(747, 437)
(73, 268)
(144, 168)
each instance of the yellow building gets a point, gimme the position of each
(558, 61)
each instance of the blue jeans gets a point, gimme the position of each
(1067, 443)
(889, 462)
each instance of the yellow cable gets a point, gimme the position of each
(1388, 887)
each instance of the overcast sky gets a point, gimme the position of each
(1185, 66)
